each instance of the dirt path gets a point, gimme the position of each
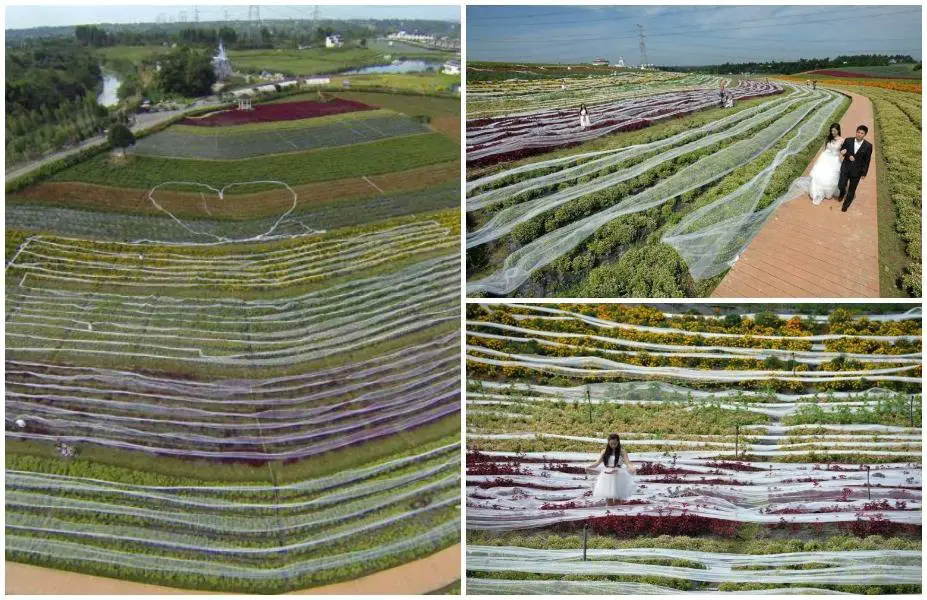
(808, 251)
(419, 577)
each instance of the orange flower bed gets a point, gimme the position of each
(898, 85)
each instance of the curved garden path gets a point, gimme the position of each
(808, 251)
(419, 577)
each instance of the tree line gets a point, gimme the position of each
(798, 66)
(236, 34)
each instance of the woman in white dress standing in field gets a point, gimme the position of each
(825, 174)
(584, 117)
(616, 481)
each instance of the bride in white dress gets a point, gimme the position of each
(616, 481)
(825, 174)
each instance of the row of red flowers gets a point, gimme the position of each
(282, 111)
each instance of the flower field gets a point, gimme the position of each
(647, 213)
(517, 136)
(898, 85)
(279, 111)
(765, 459)
(176, 142)
(528, 89)
(256, 399)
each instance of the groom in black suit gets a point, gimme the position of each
(856, 153)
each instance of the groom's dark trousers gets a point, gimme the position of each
(852, 170)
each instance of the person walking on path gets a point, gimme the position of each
(856, 152)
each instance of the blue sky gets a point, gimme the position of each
(689, 35)
(22, 17)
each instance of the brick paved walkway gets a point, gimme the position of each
(808, 251)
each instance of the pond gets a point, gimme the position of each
(404, 66)
(109, 96)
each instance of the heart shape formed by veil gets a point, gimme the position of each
(219, 231)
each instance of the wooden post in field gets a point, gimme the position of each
(589, 403)
(585, 539)
(868, 489)
(911, 410)
(737, 441)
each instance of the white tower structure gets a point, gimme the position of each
(221, 64)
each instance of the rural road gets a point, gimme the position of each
(816, 251)
(142, 121)
(419, 577)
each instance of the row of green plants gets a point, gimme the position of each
(272, 585)
(626, 257)
(533, 320)
(479, 258)
(616, 352)
(658, 131)
(387, 156)
(898, 118)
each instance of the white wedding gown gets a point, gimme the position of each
(825, 174)
(615, 482)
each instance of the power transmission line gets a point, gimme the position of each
(642, 44)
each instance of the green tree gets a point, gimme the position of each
(188, 72)
(91, 35)
(121, 137)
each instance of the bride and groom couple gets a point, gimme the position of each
(838, 170)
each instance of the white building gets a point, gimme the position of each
(620, 62)
(451, 67)
(333, 41)
(600, 62)
(412, 37)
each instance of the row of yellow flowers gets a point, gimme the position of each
(898, 85)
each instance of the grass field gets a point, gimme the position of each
(313, 61)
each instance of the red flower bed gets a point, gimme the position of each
(496, 469)
(681, 524)
(732, 465)
(506, 482)
(564, 468)
(283, 111)
(653, 468)
(879, 525)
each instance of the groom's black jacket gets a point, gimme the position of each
(860, 166)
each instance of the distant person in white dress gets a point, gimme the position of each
(616, 481)
(584, 121)
(825, 174)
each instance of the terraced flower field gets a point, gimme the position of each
(218, 383)
(663, 211)
(773, 452)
